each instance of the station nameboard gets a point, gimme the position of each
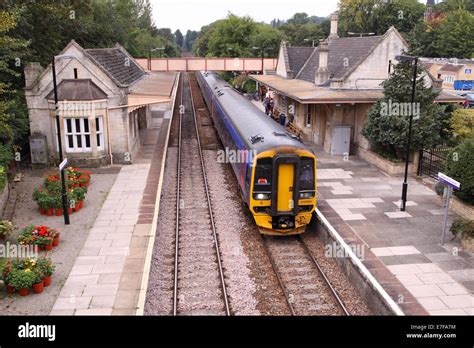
(63, 164)
(444, 179)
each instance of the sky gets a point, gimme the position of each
(193, 14)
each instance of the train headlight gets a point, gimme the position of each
(304, 195)
(261, 196)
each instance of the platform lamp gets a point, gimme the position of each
(402, 58)
(262, 53)
(60, 145)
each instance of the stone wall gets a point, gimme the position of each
(459, 207)
(389, 167)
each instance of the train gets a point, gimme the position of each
(276, 172)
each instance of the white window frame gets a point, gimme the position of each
(75, 133)
(448, 78)
(99, 130)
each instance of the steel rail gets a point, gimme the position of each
(326, 279)
(280, 281)
(211, 216)
(178, 170)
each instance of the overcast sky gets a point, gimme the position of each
(193, 14)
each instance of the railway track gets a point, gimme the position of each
(199, 285)
(307, 289)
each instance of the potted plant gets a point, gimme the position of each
(26, 236)
(42, 236)
(71, 198)
(22, 280)
(5, 268)
(38, 195)
(58, 204)
(38, 283)
(47, 268)
(6, 228)
(80, 195)
(55, 236)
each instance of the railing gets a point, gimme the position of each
(433, 161)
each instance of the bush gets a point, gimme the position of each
(460, 166)
(463, 228)
(462, 123)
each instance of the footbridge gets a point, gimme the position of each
(208, 64)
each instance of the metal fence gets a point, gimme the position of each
(433, 161)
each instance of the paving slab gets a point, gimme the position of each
(106, 277)
(405, 244)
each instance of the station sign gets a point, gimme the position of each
(63, 164)
(444, 179)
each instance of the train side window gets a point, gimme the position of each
(263, 175)
(307, 174)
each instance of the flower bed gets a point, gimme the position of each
(46, 238)
(48, 196)
(21, 275)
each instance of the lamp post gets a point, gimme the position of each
(262, 53)
(413, 90)
(60, 145)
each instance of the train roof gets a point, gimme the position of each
(259, 131)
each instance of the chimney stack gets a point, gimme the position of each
(333, 32)
(322, 73)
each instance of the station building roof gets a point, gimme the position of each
(308, 93)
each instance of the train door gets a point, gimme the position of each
(285, 191)
(286, 174)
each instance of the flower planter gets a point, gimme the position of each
(42, 211)
(10, 289)
(70, 210)
(59, 211)
(56, 241)
(38, 288)
(47, 281)
(48, 247)
(24, 292)
(50, 212)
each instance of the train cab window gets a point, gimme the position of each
(307, 174)
(263, 175)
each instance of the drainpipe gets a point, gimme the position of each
(108, 137)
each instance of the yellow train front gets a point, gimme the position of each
(275, 171)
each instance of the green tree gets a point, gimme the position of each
(387, 123)
(302, 35)
(456, 33)
(13, 115)
(462, 123)
(376, 16)
(231, 37)
(178, 38)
